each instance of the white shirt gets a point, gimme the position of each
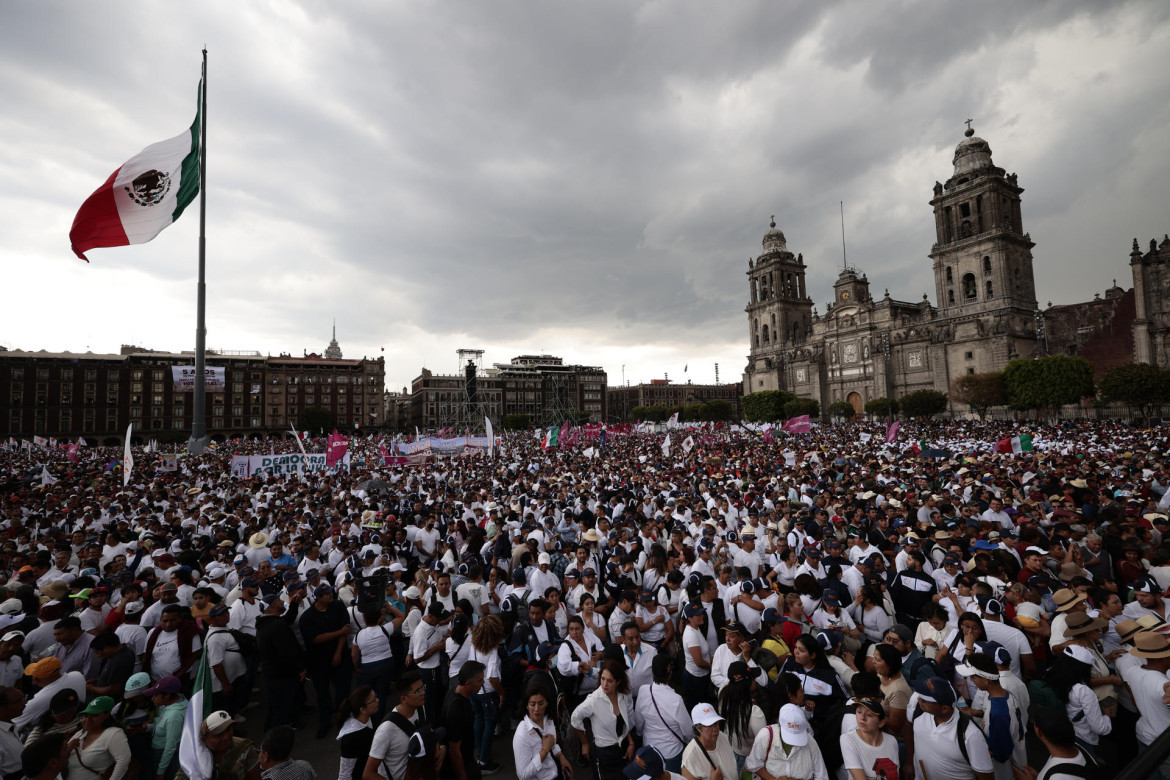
(858, 754)
(692, 637)
(389, 747)
(222, 648)
(638, 667)
(1012, 639)
(1094, 725)
(724, 658)
(937, 746)
(38, 705)
(243, 616)
(425, 637)
(372, 644)
(526, 745)
(570, 654)
(134, 637)
(661, 717)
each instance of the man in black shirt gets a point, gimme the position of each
(325, 629)
(282, 663)
(459, 720)
(117, 664)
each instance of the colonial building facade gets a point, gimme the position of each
(867, 347)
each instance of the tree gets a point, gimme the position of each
(315, 418)
(1047, 383)
(842, 410)
(706, 411)
(578, 417)
(798, 406)
(881, 407)
(924, 403)
(766, 405)
(980, 391)
(1140, 386)
(650, 413)
(516, 422)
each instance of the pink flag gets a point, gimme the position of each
(801, 424)
(335, 448)
(72, 452)
(563, 436)
(768, 436)
(383, 453)
(892, 431)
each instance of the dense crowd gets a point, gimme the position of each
(783, 606)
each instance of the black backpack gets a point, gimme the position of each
(244, 641)
(1090, 771)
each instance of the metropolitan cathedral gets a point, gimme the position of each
(986, 313)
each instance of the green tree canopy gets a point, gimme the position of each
(1047, 383)
(881, 407)
(798, 406)
(842, 410)
(980, 391)
(516, 422)
(766, 405)
(924, 403)
(1140, 386)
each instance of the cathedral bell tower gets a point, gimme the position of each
(982, 262)
(779, 309)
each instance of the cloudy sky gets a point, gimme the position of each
(586, 179)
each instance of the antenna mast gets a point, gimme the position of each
(844, 261)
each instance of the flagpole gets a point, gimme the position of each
(199, 418)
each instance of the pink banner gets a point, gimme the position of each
(335, 449)
(801, 424)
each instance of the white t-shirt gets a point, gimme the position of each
(165, 659)
(697, 764)
(373, 644)
(222, 648)
(1012, 639)
(878, 763)
(134, 637)
(389, 747)
(692, 637)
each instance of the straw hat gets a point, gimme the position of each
(258, 540)
(1151, 644)
(1080, 623)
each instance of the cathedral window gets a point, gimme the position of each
(765, 334)
(950, 296)
(950, 276)
(990, 291)
(969, 290)
(986, 265)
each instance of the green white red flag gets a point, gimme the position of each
(149, 192)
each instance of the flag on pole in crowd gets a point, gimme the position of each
(194, 757)
(335, 448)
(491, 436)
(602, 439)
(688, 444)
(800, 424)
(666, 446)
(297, 436)
(673, 421)
(551, 437)
(39, 441)
(73, 452)
(149, 192)
(52, 442)
(892, 431)
(127, 458)
(1015, 445)
(589, 452)
(768, 436)
(46, 477)
(563, 436)
(81, 441)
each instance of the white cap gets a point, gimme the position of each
(12, 635)
(217, 722)
(11, 607)
(396, 566)
(704, 714)
(543, 558)
(793, 725)
(133, 607)
(1082, 654)
(412, 593)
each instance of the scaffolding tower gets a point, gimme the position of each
(560, 402)
(464, 409)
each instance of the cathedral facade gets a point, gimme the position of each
(864, 347)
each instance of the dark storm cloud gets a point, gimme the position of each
(586, 178)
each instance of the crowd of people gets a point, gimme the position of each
(786, 607)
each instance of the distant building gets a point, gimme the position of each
(67, 394)
(661, 392)
(1151, 284)
(541, 386)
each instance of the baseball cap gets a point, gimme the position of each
(935, 689)
(830, 598)
(322, 590)
(98, 706)
(217, 722)
(134, 607)
(249, 582)
(647, 764)
(12, 635)
(412, 593)
(168, 684)
(735, 627)
(1079, 653)
(63, 701)
(694, 609)
(704, 714)
(269, 600)
(990, 605)
(137, 682)
(995, 651)
(217, 610)
(793, 725)
(979, 665)
(46, 667)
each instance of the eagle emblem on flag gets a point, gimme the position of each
(149, 188)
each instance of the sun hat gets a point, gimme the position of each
(1066, 599)
(1151, 644)
(1079, 623)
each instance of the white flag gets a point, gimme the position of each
(673, 421)
(487, 424)
(127, 458)
(46, 477)
(81, 441)
(297, 436)
(688, 443)
(588, 452)
(666, 445)
(39, 441)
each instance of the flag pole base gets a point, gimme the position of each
(197, 446)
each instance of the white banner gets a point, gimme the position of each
(184, 378)
(245, 466)
(168, 463)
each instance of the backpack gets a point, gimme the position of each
(916, 666)
(1040, 695)
(1090, 771)
(961, 730)
(765, 659)
(245, 642)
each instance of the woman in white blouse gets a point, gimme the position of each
(578, 660)
(535, 741)
(603, 723)
(558, 611)
(100, 746)
(594, 623)
(653, 621)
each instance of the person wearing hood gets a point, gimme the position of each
(282, 663)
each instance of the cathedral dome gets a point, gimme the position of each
(971, 154)
(774, 240)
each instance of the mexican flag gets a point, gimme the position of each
(1015, 444)
(551, 437)
(194, 757)
(142, 197)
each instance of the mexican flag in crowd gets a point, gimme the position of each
(194, 757)
(1015, 445)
